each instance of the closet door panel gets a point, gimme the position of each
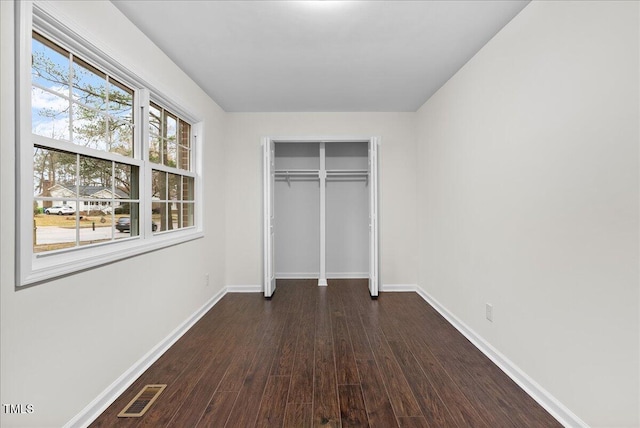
(297, 228)
(347, 235)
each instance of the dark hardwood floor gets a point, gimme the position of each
(327, 356)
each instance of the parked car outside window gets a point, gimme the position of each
(124, 225)
(60, 210)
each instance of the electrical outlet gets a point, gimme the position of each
(206, 279)
(489, 312)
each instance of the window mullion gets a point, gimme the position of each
(144, 208)
(77, 201)
(71, 107)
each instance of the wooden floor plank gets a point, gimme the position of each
(402, 399)
(301, 390)
(346, 369)
(352, 410)
(274, 402)
(298, 415)
(435, 411)
(218, 409)
(413, 422)
(327, 356)
(325, 391)
(379, 410)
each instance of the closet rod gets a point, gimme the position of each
(347, 174)
(288, 175)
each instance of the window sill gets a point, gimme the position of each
(46, 267)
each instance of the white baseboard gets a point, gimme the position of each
(298, 275)
(347, 275)
(244, 288)
(398, 287)
(565, 416)
(113, 391)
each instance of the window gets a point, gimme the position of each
(172, 183)
(104, 173)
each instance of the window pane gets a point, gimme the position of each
(184, 145)
(121, 118)
(95, 178)
(174, 215)
(127, 219)
(171, 153)
(171, 148)
(154, 149)
(159, 185)
(187, 214)
(54, 232)
(95, 228)
(174, 187)
(159, 216)
(89, 128)
(121, 138)
(54, 220)
(49, 114)
(188, 189)
(120, 101)
(185, 134)
(54, 175)
(184, 158)
(126, 181)
(49, 65)
(155, 120)
(89, 85)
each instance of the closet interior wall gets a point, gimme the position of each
(297, 210)
(347, 210)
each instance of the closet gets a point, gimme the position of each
(320, 200)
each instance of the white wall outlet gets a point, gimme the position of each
(489, 312)
(206, 279)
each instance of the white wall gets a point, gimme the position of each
(243, 204)
(528, 199)
(65, 341)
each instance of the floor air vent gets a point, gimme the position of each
(142, 402)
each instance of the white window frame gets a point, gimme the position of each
(34, 268)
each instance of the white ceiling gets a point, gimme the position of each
(263, 56)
